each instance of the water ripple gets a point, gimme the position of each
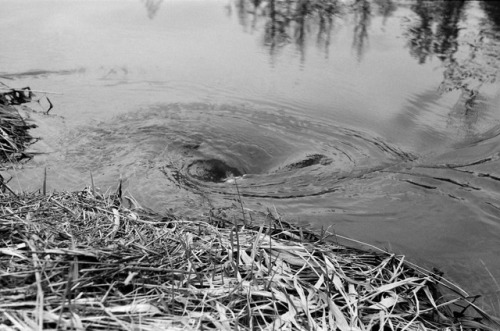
(267, 152)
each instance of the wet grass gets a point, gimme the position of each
(85, 261)
(14, 135)
(14, 129)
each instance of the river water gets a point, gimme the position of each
(378, 119)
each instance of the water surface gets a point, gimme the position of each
(379, 119)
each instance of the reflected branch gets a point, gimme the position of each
(385, 8)
(469, 61)
(152, 6)
(362, 16)
(433, 30)
(276, 29)
(492, 10)
(325, 26)
(419, 32)
(289, 21)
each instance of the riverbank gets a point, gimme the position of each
(88, 261)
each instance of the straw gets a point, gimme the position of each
(79, 261)
(14, 136)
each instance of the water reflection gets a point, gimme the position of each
(492, 10)
(325, 26)
(448, 29)
(434, 31)
(385, 8)
(290, 21)
(276, 29)
(362, 14)
(468, 58)
(152, 6)
(424, 40)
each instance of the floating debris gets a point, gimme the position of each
(80, 261)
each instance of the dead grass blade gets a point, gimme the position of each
(80, 261)
(14, 136)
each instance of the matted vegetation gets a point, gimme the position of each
(84, 261)
(14, 135)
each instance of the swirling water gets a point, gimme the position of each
(380, 120)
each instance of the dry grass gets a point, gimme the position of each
(14, 136)
(83, 261)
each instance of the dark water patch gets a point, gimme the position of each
(456, 182)
(40, 73)
(421, 185)
(212, 170)
(310, 160)
(290, 157)
(488, 176)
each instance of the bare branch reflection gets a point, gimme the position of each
(385, 8)
(492, 11)
(290, 22)
(152, 6)
(325, 24)
(433, 31)
(362, 16)
(469, 61)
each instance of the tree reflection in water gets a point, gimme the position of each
(469, 60)
(152, 7)
(492, 10)
(419, 34)
(325, 25)
(276, 29)
(362, 14)
(434, 30)
(385, 8)
(290, 21)
(440, 29)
